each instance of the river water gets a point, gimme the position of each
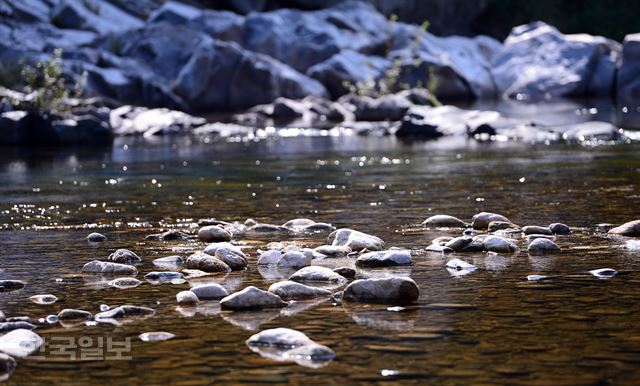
(489, 327)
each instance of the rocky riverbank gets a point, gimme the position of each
(299, 65)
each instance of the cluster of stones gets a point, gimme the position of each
(307, 281)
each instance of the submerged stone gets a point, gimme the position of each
(210, 291)
(291, 290)
(74, 314)
(541, 246)
(482, 219)
(355, 240)
(213, 233)
(251, 298)
(315, 273)
(384, 258)
(632, 228)
(124, 256)
(43, 299)
(96, 237)
(97, 266)
(536, 230)
(156, 336)
(20, 342)
(207, 263)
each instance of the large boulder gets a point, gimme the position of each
(628, 90)
(537, 61)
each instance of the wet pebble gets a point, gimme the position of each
(542, 246)
(15, 325)
(211, 248)
(444, 221)
(495, 226)
(125, 311)
(7, 365)
(97, 266)
(96, 237)
(210, 291)
(186, 298)
(393, 290)
(499, 245)
(291, 290)
(536, 277)
(213, 233)
(124, 256)
(43, 299)
(52, 319)
(631, 228)
(104, 307)
(156, 336)
(251, 298)
(284, 344)
(459, 243)
(385, 258)
(437, 248)
(460, 265)
(317, 274)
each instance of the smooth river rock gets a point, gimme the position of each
(156, 336)
(536, 230)
(270, 257)
(291, 290)
(206, 263)
(444, 221)
(124, 256)
(11, 285)
(163, 275)
(186, 298)
(559, 228)
(103, 267)
(284, 344)
(294, 259)
(125, 311)
(541, 246)
(459, 243)
(384, 258)
(74, 314)
(393, 290)
(210, 291)
(355, 240)
(213, 233)
(499, 245)
(20, 342)
(333, 250)
(96, 237)
(234, 258)
(124, 282)
(43, 299)
(482, 219)
(315, 273)
(632, 229)
(251, 298)
(213, 247)
(7, 365)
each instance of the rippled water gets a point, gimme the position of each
(489, 327)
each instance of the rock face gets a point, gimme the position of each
(632, 228)
(97, 266)
(384, 258)
(206, 263)
(290, 290)
(395, 290)
(537, 60)
(629, 74)
(213, 233)
(251, 298)
(355, 240)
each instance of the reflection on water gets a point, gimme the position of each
(491, 326)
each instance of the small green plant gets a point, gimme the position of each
(389, 82)
(45, 86)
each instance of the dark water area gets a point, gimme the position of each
(491, 326)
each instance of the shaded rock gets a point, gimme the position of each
(385, 258)
(270, 257)
(97, 266)
(96, 237)
(169, 261)
(501, 225)
(592, 131)
(317, 274)
(536, 61)
(213, 247)
(294, 259)
(211, 291)
(395, 290)
(391, 107)
(559, 228)
(458, 244)
(125, 282)
(73, 314)
(99, 16)
(260, 228)
(542, 246)
(124, 256)
(346, 272)
(444, 221)
(251, 298)
(536, 230)
(298, 223)
(156, 336)
(283, 344)
(235, 259)
(163, 275)
(499, 245)
(135, 120)
(207, 263)
(319, 227)
(20, 342)
(213, 233)
(10, 326)
(628, 80)
(333, 250)
(186, 297)
(355, 240)
(535, 236)
(604, 272)
(291, 290)
(7, 365)
(11, 285)
(632, 228)
(482, 219)
(125, 311)
(43, 299)
(170, 235)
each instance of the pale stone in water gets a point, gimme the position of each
(482, 219)
(632, 228)
(124, 256)
(460, 265)
(43, 299)
(291, 290)
(97, 266)
(251, 298)
(20, 342)
(210, 291)
(156, 336)
(96, 237)
(186, 297)
(317, 274)
(294, 259)
(355, 240)
(384, 258)
(213, 233)
(444, 221)
(541, 246)
(604, 272)
(270, 257)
